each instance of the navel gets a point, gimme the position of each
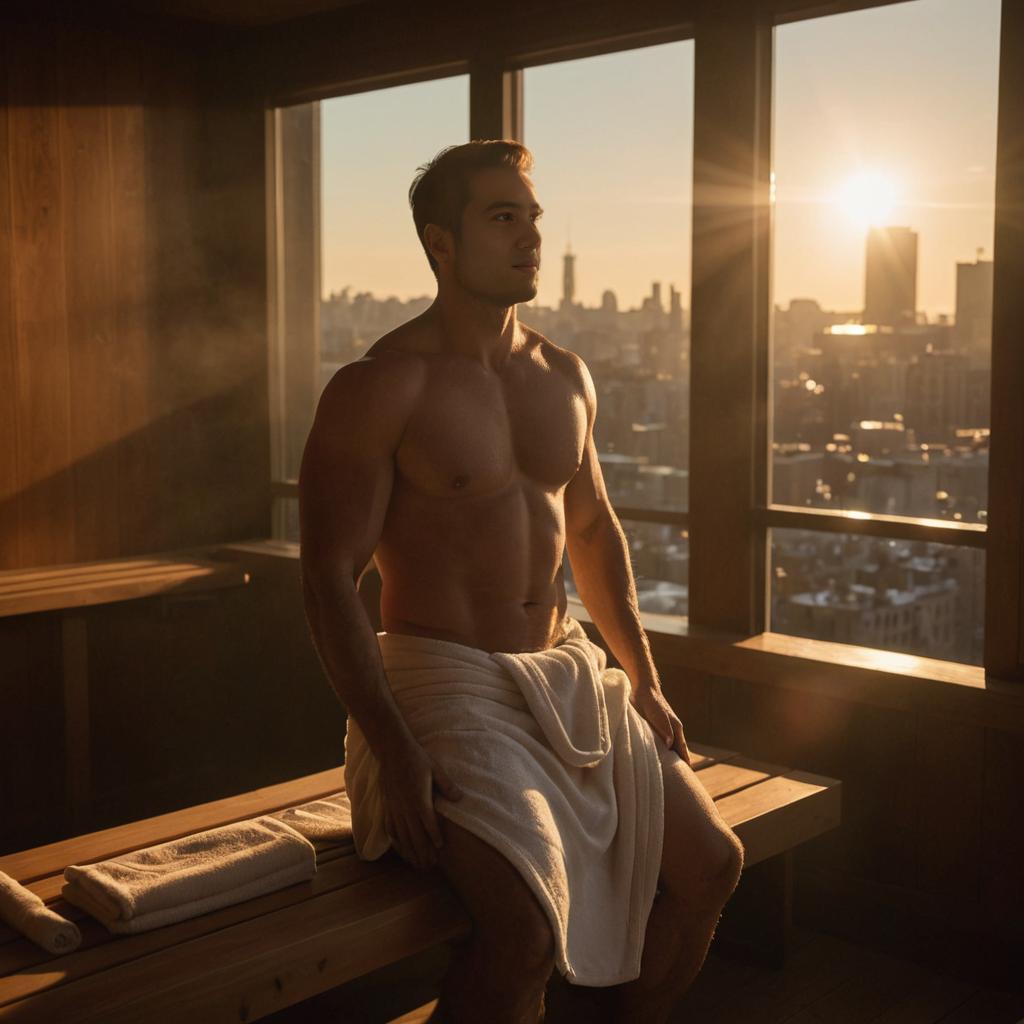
(460, 481)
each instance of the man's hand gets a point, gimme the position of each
(650, 702)
(407, 776)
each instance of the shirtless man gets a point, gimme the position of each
(458, 453)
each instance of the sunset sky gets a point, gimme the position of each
(894, 103)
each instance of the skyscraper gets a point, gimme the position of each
(973, 328)
(568, 278)
(890, 285)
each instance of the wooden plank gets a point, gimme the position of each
(253, 968)
(722, 779)
(9, 372)
(781, 812)
(46, 521)
(101, 950)
(125, 87)
(87, 252)
(703, 755)
(30, 865)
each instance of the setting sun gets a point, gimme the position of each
(867, 199)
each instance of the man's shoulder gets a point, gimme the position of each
(570, 363)
(387, 378)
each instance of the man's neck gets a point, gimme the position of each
(476, 329)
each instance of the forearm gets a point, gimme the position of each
(350, 654)
(604, 579)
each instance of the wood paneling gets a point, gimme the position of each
(132, 298)
(43, 485)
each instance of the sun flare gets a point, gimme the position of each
(867, 199)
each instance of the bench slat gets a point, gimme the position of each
(781, 812)
(252, 968)
(31, 865)
(25, 969)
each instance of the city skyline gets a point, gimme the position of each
(932, 146)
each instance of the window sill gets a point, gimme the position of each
(840, 671)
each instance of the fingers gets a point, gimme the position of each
(445, 784)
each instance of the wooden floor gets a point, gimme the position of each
(827, 981)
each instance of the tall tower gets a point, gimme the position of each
(568, 277)
(973, 328)
(890, 286)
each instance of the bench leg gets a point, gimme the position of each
(757, 922)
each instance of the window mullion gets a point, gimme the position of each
(729, 323)
(1004, 570)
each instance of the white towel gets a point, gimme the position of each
(25, 912)
(327, 820)
(560, 773)
(192, 875)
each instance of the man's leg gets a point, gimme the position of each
(700, 866)
(499, 974)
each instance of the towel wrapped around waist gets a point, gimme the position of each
(560, 774)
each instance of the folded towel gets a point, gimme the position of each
(328, 820)
(192, 875)
(560, 773)
(25, 912)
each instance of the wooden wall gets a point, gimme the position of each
(133, 380)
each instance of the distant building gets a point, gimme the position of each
(973, 327)
(568, 279)
(890, 284)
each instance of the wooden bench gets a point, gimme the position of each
(67, 590)
(251, 959)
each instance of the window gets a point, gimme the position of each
(615, 177)
(884, 211)
(349, 265)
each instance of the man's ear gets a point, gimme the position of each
(439, 242)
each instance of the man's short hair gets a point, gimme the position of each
(440, 192)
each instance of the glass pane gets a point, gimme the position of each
(659, 556)
(346, 168)
(614, 175)
(884, 175)
(913, 597)
(375, 275)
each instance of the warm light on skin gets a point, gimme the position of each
(866, 199)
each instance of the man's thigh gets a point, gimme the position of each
(498, 899)
(698, 844)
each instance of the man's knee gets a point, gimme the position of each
(714, 871)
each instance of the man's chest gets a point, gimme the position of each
(475, 433)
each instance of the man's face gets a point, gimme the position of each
(499, 234)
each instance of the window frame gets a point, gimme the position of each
(730, 518)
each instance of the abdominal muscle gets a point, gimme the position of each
(486, 574)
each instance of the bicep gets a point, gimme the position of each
(346, 476)
(586, 499)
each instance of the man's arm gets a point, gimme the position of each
(345, 485)
(599, 555)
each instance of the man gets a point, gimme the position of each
(459, 455)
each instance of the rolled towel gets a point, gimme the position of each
(25, 912)
(193, 875)
(328, 820)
